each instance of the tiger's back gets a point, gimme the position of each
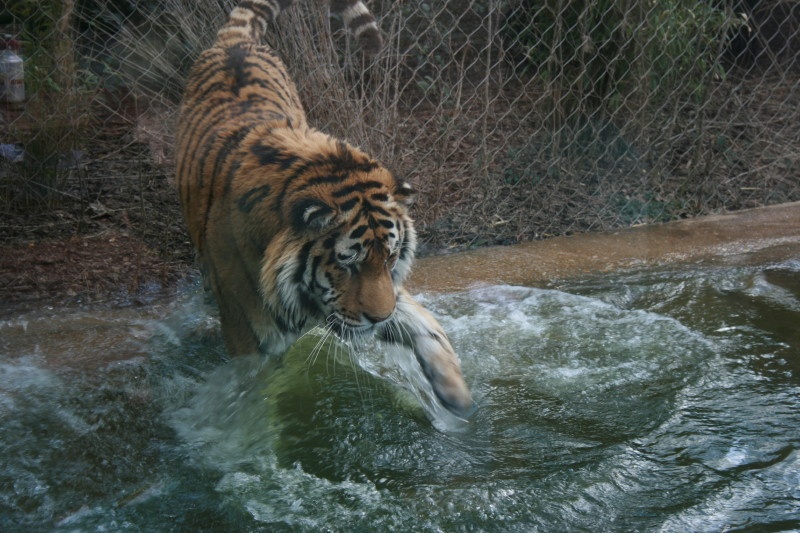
(240, 88)
(294, 227)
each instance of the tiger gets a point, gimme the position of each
(292, 227)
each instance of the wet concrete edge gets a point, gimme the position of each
(754, 236)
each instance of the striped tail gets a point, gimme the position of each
(358, 19)
(248, 22)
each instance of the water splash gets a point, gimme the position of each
(656, 401)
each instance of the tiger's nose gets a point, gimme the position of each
(377, 319)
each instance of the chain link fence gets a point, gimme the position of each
(514, 119)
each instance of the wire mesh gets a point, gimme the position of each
(514, 119)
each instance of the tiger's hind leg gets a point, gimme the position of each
(416, 328)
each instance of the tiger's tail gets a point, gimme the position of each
(248, 22)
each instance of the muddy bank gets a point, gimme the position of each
(759, 235)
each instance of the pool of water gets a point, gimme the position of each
(646, 401)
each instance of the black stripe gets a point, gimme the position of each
(372, 208)
(252, 197)
(361, 20)
(349, 204)
(274, 66)
(245, 68)
(230, 144)
(322, 180)
(205, 69)
(270, 91)
(302, 260)
(196, 128)
(330, 242)
(359, 187)
(269, 155)
(235, 59)
(314, 266)
(358, 232)
(344, 160)
(297, 214)
(258, 9)
(341, 163)
(231, 175)
(217, 89)
(296, 174)
(204, 150)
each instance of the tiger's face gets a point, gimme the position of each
(352, 248)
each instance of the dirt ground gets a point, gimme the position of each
(111, 264)
(110, 239)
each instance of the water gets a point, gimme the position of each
(652, 401)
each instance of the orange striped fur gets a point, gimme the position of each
(294, 228)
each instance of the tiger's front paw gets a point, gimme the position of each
(413, 326)
(440, 365)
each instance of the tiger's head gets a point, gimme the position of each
(347, 248)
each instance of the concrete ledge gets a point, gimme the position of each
(753, 236)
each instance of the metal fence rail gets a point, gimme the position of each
(515, 119)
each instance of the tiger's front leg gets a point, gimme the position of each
(414, 327)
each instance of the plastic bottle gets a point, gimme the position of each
(12, 73)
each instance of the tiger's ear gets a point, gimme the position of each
(405, 193)
(311, 214)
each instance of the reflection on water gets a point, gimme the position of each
(660, 401)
